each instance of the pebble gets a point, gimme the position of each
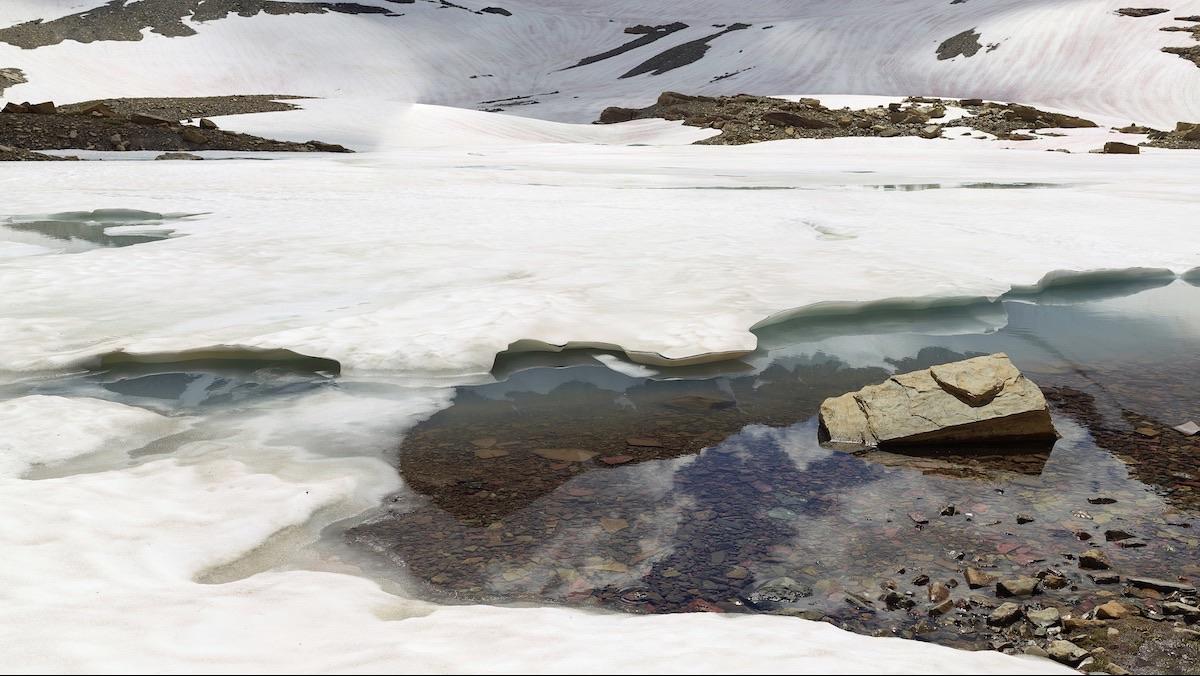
(1066, 652)
(1113, 610)
(613, 525)
(942, 608)
(490, 453)
(616, 459)
(938, 592)
(1046, 617)
(977, 578)
(1178, 608)
(1005, 614)
(1161, 585)
(1094, 559)
(1018, 586)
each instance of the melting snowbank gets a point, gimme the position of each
(97, 559)
(434, 260)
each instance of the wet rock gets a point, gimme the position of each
(616, 459)
(977, 578)
(1055, 581)
(948, 510)
(613, 525)
(1094, 559)
(1189, 428)
(1046, 617)
(1082, 624)
(206, 123)
(942, 608)
(1018, 586)
(778, 592)
(938, 592)
(1024, 519)
(1104, 578)
(894, 600)
(1118, 148)
(1102, 501)
(1113, 610)
(1005, 614)
(1189, 612)
(1148, 432)
(1161, 585)
(565, 454)
(975, 400)
(918, 518)
(1066, 652)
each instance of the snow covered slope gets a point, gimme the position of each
(567, 59)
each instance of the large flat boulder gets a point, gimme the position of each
(979, 400)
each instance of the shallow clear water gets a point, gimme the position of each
(571, 483)
(566, 481)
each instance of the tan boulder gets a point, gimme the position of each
(984, 399)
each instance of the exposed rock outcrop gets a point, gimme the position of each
(984, 399)
(746, 118)
(1141, 11)
(115, 125)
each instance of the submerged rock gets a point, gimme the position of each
(984, 399)
(776, 593)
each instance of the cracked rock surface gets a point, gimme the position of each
(984, 399)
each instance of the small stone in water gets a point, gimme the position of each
(1189, 428)
(776, 592)
(565, 454)
(1047, 617)
(938, 592)
(1094, 559)
(1116, 535)
(489, 453)
(1005, 615)
(1024, 518)
(613, 525)
(977, 578)
(942, 608)
(949, 510)
(1018, 586)
(918, 518)
(1101, 501)
(616, 459)
(1104, 578)
(1148, 432)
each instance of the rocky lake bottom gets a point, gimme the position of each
(579, 479)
